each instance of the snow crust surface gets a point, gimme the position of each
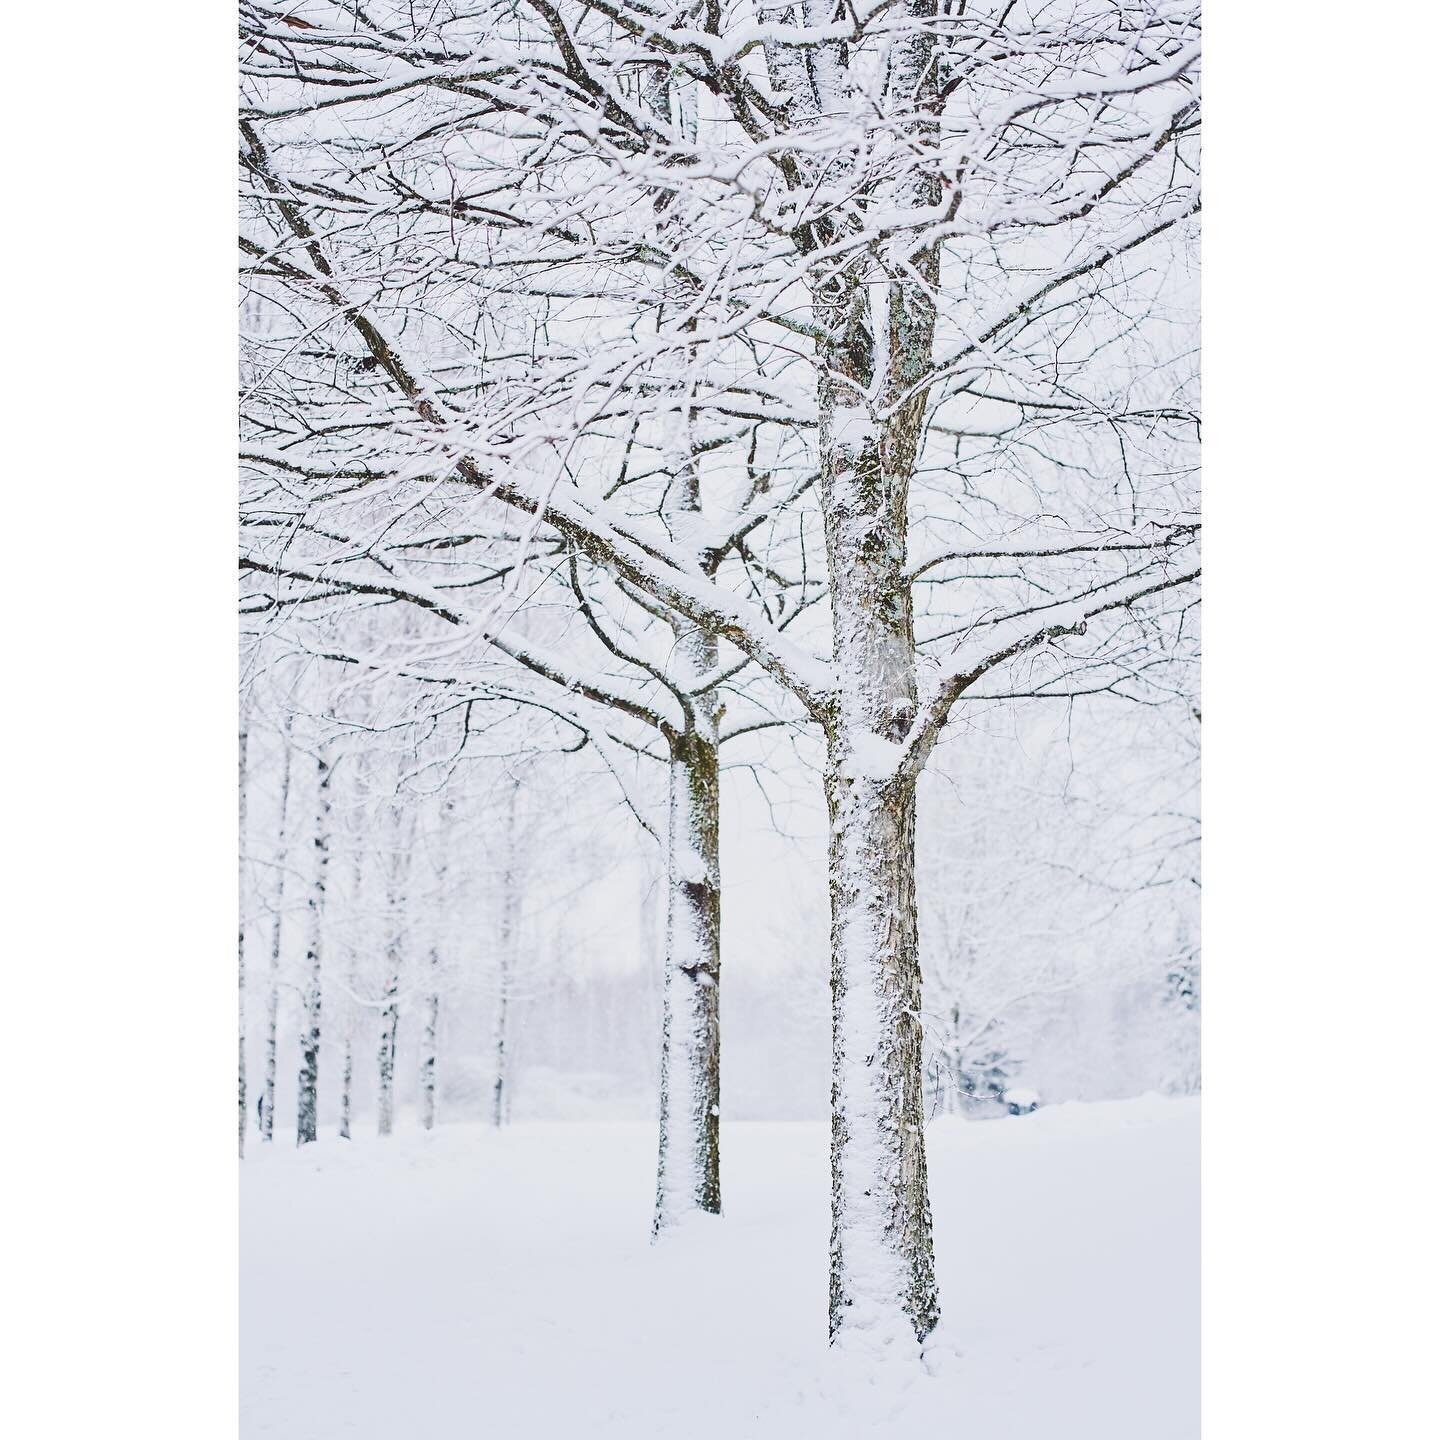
(471, 1282)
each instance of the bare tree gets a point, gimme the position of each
(430, 1041)
(272, 1005)
(914, 244)
(347, 1059)
(401, 829)
(308, 1109)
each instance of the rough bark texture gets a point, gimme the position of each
(872, 402)
(688, 1172)
(307, 1109)
(688, 1164)
(881, 1253)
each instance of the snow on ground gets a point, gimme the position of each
(475, 1283)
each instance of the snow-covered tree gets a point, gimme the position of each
(910, 278)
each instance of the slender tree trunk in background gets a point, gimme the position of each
(882, 1264)
(396, 894)
(347, 1078)
(272, 1004)
(430, 1040)
(688, 1171)
(431, 1044)
(272, 1049)
(500, 1108)
(389, 1029)
(347, 1062)
(240, 902)
(308, 1108)
(500, 1100)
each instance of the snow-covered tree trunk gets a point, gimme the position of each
(272, 1001)
(430, 1037)
(872, 395)
(509, 882)
(500, 1097)
(308, 1108)
(688, 1165)
(402, 839)
(430, 1046)
(272, 1043)
(389, 1031)
(347, 1057)
(240, 905)
(688, 1172)
(881, 1256)
(347, 1081)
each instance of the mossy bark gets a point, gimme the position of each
(688, 1171)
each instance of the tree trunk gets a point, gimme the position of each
(688, 1172)
(240, 905)
(347, 1079)
(272, 1005)
(402, 831)
(307, 1112)
(688, 1166)
(500, 1107)
(347, 1062)
(272, 1045)
(431, 1047)
(389, 1028)
(430, 1040)
(881, 1254)
(882, 329)
(882, 1263)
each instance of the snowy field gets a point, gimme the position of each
(475, 1283)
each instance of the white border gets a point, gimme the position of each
(1320, 718)
(118, 1142)
(1321, 723)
